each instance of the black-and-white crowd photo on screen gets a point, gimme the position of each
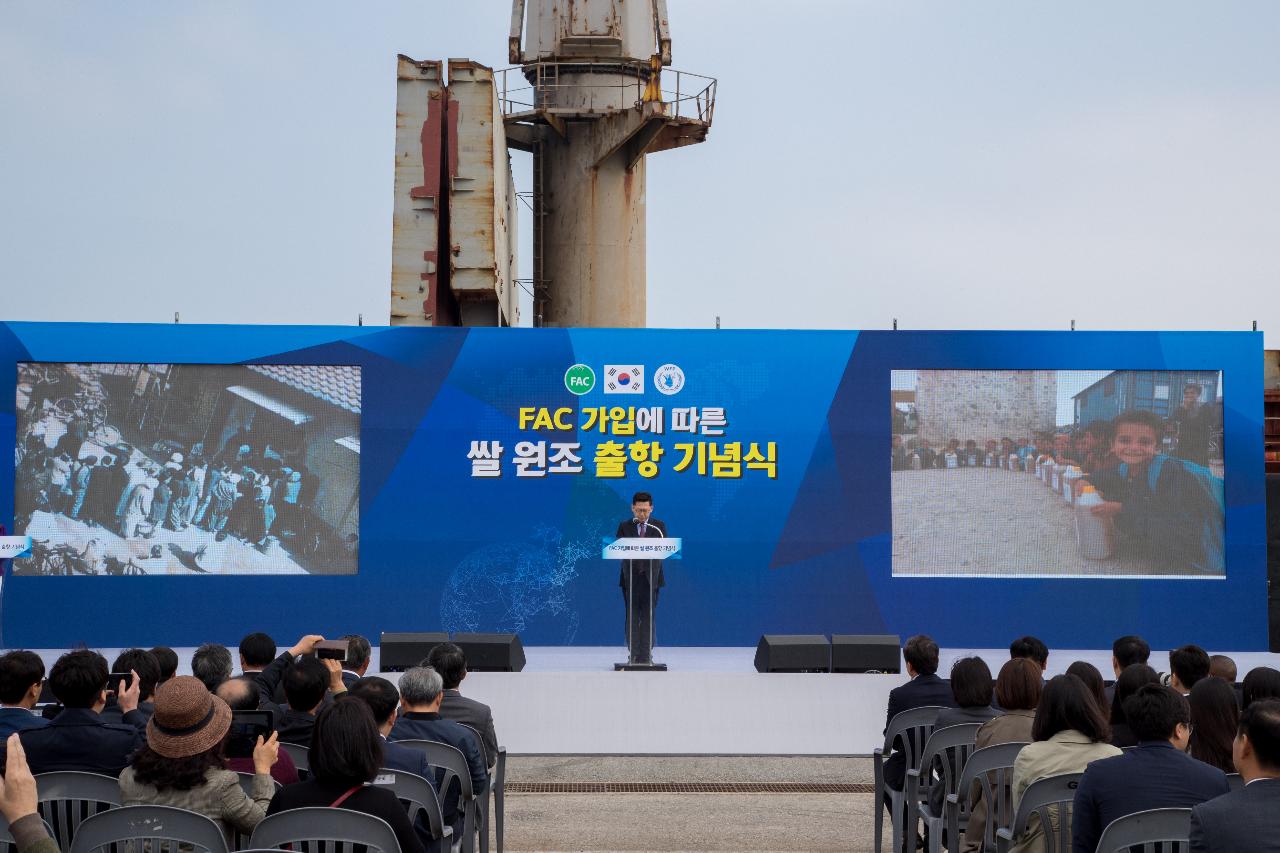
(187, 469)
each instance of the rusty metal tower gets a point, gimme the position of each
(589, 101)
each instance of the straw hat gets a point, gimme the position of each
(188, 719)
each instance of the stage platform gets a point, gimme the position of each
(711, 701)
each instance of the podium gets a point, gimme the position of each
(640, 556)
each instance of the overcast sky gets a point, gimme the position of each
(957, 165)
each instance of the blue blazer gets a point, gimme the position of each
(79, 739)
(1242, 820)
(19, 719)
(920, 692)
(1152, 775)
(416, 725)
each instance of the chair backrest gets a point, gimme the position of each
(990, 770)
(324, 830)
(449, 758)
(246, 783)
(299, 754)
(1167, 829)
(66, 798)
(1052, 794)
(484, 750)
(945, 753)
(416, 794)
(1235, 781)
(158, 829)
(911, 729)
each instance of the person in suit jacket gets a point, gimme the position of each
(1125, 652)
(357, 662)
(1156, 774)
(641, 525)
(925, 689)
(1068, 733)
(1248, 819)
(21, 679)
(421, 689)
(241, 694)
(78, 739)
(450, 661)
(269, 678)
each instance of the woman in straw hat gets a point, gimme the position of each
(183, 763)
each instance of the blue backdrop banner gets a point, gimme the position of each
(465, 479)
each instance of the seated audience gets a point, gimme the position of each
(270, 678)
(168, 660)
(257, 651)
(1018, 689)
(306, 684)
(78, 738)
(1125, 652)
(383, 700)
(1088, 673)
(971, 690)
(1187, 665)
(21, 679)
(211, 664)
(1248, 819)
(925, 689)
(145, 664)
(1262, 682)
(1215, 719)
(1221, 666)
(421, 690)
(241, 694)
(1068, 733)
(1156, 774)
(346, 754)
(1032, 649)
(449, 660)
(1134, 676)
(357, 663)
(182, 764)
(18, 802)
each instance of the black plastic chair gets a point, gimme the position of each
(910, 730)
(324, 830)
(990, 771)
(418, 797)
(941, 763)
(66, 798)
(155, 829)
(456, 770)
(1052, 794)
(1153, 831)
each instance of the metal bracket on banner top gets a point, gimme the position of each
(641, 548)
(14, 546)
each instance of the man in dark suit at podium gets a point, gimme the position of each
(647, 573)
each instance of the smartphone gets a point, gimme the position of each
(246, 728)
(332, 650)
(117, 681)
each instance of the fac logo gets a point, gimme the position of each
(579, 379)
(668, 379)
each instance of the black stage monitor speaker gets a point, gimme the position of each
(397, 651)
(793, 653)
(492, 652)
(865, 653)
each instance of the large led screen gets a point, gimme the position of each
(187, 469)
(1057, 473)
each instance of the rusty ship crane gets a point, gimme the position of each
(592, 96)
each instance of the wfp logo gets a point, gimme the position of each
(668, 379)
(579, 379)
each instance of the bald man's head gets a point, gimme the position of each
(240, 693)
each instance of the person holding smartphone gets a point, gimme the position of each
(184, 761)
